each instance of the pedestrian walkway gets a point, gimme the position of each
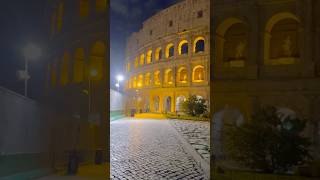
(150, 149)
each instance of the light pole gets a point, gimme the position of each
(30, 52)
(119, 79)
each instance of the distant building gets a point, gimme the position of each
(169, 59)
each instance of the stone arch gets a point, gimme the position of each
(147, 79)
(179, 100)
(170, 50)
(182, 76)
(156, 103)
(199, 44)
(149, 56)
(157, 78)
(134, 81)
(101, 5)
(84, 8)
(232, 42)
(140, 81)
(78, 66)
(142, 59)
(183, 47)
(97, 57)
(167, 104)
(158, 54)
(168, 77)
(226, 116)
(281, 45)
(64, 76)
(198, 74)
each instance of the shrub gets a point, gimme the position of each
(269, 142)
(194, 106)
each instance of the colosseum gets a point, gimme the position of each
(168, 59)
(77, 75)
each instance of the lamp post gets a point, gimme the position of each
(119, 79)
(30, 52)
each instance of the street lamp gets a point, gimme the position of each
(30, 52)
(119, 79)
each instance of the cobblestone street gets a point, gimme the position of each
(150, 149)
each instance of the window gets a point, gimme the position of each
(199, 45)
(101, 5)
(200, 14)
(84, 8)
(169, 50)
(157, 80)
(168, 78)
(141, 59)
(147, 79)
(150, 32)
(182, 75)
(198, 74)
(158, 54)
(134, 81)
(140, 81)
(183, 47)
(136, 62)
(170, 23)
(149, 56)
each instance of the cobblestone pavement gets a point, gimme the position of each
(197, 133)
(149, 149)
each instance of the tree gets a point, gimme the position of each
(194, 106)
(269, 142)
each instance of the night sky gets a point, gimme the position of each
(22, 22)
(127, 16)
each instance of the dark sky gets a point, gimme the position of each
(126, 16)
(22, 22)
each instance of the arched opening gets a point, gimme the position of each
(60, 16)
(149, 56)
(79, 64)
(169, 50)
(134, 81)
(232, 43)
(141, 59)
(84, 8)
(182, 75)
(64, 77)
(101, 5)
(199, 45)
(136, 62)
(168, 78)
(198, 74)
(282, 39)
(158, 54)
(179, 102)
(147, 80)
(140, 81)
(96, 63)
(156, 103)
(167, 104)
(183, 47)
(157, 79)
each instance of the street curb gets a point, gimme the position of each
(190, 149)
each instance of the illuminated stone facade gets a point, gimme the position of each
(169, 59)
(77, 75)
(266, 53)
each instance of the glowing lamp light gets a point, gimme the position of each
(31, 51)
(120, 78)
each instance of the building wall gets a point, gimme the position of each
(184, 25)
(33, 137)
(78, 58)
(273, 70)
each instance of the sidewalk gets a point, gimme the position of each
(86, 172)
